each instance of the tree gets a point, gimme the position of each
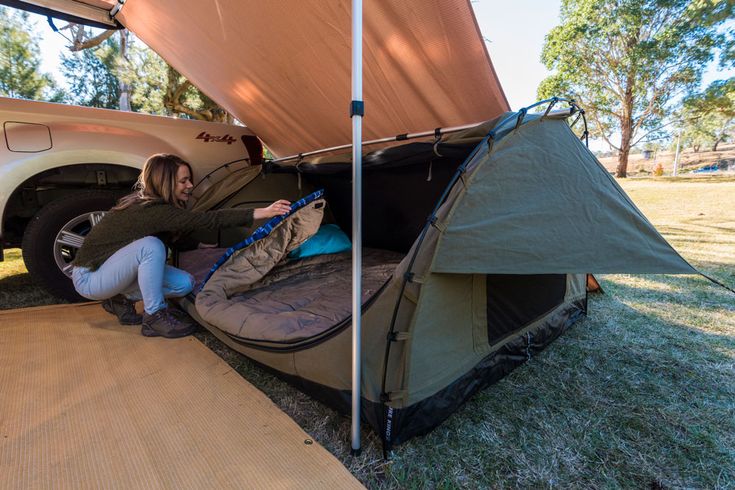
(157, 88)
(143, 79)
(625, 61)
(91, 75)
(20, 62)
(709, 116)
(184, 98)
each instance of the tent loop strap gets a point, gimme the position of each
(521, 115)
(410, 296)
(437, 140)
(117, 8)
(585, 136)
(299, 161)
(393, 396)
(437, 224)
(528, 346)
(490, 141)
(412, 277)
(398, 336)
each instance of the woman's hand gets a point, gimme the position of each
(278, 208)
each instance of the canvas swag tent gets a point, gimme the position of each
(476, 254)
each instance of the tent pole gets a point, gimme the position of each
(356, 113)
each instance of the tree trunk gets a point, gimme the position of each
(626, 132)
(124, 87)
(622, 170)
(717, 142)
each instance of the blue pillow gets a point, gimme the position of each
(329, 239)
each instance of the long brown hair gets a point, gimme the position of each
(156, 182)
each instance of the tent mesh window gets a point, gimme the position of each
(514, 301)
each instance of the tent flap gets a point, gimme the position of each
(540, 203)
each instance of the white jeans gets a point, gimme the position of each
(137, 271)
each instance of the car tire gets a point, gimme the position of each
(56, 232)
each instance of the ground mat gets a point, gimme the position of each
(85, 402)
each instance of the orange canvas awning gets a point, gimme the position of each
(283, 67)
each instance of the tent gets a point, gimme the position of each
(518, 210)
(478, 265)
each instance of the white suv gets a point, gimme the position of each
(62, 166)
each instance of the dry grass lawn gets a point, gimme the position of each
(641, 394)
(689, 160)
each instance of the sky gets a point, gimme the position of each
(514, 34)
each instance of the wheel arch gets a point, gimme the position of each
(40, 186)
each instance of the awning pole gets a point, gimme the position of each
(356, 113)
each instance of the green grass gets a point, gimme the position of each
(641, 394)
(17, 289)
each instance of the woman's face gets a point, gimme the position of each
(183, 183)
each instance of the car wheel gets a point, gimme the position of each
(55, 234)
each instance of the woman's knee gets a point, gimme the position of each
(151, 246)
(183, 284)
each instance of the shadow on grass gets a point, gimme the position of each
(676, 290)
(19, 291)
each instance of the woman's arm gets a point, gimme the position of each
(278, 208)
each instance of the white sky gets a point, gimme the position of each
(514, 33)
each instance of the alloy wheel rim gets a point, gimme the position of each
(71, 237)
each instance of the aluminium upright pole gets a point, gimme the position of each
(357, 110)
(676, 157)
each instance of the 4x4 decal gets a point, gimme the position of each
(215, 139)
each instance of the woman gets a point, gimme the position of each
(123, 258)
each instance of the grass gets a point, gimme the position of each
(641, 394)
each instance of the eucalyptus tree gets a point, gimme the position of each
(627, 61)
(20, 61)
(91, 75)
(709, 116)
(144, 80)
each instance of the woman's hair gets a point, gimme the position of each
(156, 182)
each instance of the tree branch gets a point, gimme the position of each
(80, 44)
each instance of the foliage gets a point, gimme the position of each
(626, 60)
(92, 77)
(154, 87)
(184, 98)
(145, 74)
(708, 118)
(20, 62)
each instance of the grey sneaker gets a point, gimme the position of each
(123, 309)
(164, 323)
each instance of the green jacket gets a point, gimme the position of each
(121, 227)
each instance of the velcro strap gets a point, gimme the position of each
(410, 296)
(393, 396)
(438, 224)
(399, 336)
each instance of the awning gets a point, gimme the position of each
(283, 68)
